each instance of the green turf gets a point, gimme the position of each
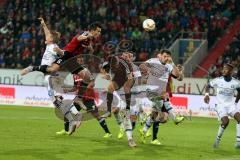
(29, 133)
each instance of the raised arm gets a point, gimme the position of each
(175, 71)
(47, 32)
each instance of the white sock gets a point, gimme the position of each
(220, 132)
(169, 109)
(118, 118)
(129, 134)
(238, 132)
(147, 125)
(171, 115)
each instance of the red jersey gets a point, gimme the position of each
(75, 47)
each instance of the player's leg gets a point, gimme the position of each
(150, 119)
(41, 68)
(111, 88)
(128, 129)
(176, 119)
(127, 89)
(119, 121)
(222, 127)
(66, 121)
(237, 118)
(68, 110)
(90, 105)
(161, 118)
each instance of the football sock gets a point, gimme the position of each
(103, 124)
(155, 130)
(41, 68)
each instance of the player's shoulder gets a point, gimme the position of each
(152, 60)
(235, 80)
(218, 78)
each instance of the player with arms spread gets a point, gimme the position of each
(74, 48)
(51, 39)
(225, 105)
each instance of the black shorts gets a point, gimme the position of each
(69, 63)
(90, 105)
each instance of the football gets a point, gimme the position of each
(148, 25)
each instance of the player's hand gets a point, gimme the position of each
(180, 67)
(82, 37)
(41, 20)
(170, 60)
(206, 99)
(59, 51)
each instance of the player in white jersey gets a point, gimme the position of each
(51, 39)
(158, 74)
(226, 106)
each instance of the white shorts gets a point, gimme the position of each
(140, 105)
(226, 111)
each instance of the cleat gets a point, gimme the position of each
(156, 142)
(237, 146)
(62, 132)
(149, 133)
(121, 133)
(178, 119)
(142, 136)
(106, 115)
(131, 143)
(26, 70)
(107, 135)
(73, 126)
(216, 143)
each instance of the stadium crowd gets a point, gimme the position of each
(22, 40)
(231, 55)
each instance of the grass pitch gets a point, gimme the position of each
(29, 133)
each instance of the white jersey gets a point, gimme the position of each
(225, 91)
(136, 71)
(158, 75)
(49, 55)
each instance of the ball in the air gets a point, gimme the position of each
(148, 24)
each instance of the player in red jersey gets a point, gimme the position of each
(85, 99)
(74, 48)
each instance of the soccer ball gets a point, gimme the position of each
(148, 24)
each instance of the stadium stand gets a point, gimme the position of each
(22, 41)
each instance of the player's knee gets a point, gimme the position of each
(237, 117)
(225, 122)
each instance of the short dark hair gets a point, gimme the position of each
(166, 51)
(94, 26)
(229, 65)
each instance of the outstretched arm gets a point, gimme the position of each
(47, 32)
(175, 70)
